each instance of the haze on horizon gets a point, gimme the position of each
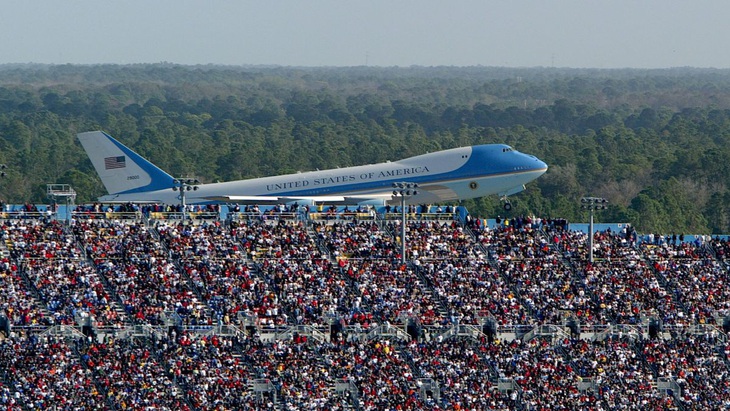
(521, 33)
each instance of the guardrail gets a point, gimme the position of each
(63, 330)
(20, 215)
(623, 330)
(670, 386)
(190, 215)
(462, 330)
(309, 331)
(422, 216)
(585, 384)
(266, 216)
(547, 330)
(357, 332)
(261, 386)
(106, 215)
(707, 330)
(340, 216)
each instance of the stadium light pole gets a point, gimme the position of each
(3, 167)
(183, 185)
(592, 204)
(404, 191)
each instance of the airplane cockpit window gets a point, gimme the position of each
(507, 149)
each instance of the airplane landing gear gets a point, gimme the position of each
(507, 205)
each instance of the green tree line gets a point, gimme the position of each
(653, 142)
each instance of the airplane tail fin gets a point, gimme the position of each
(121, 169)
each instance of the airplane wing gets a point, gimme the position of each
(429, 193)
(245, 199)
(272, 200)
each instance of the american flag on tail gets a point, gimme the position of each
(111, 163)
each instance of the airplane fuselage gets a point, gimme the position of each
(449, 175)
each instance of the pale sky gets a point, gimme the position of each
(513, 33)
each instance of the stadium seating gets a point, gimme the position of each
(290, 313)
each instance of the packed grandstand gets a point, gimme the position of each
(284, 309)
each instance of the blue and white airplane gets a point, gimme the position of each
(443, 176)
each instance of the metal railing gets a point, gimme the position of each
(462, 330)
(107, 215)
(319, 334)
(669, 385)
(422, 216)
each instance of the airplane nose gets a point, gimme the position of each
(540, 164)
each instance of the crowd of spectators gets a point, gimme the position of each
(473, 291)
(141, 272)
(696, 364)
(70, 290)
(625, 288)
(543, 374)
(69, 287)
(721, 246)
(389, 292)
(213, 259)
(311, 291)
(209, 369)
(134, 211)
(132, 376)
(364, 239)
(17, 301)
(263, 275)
(701, 283)
(432, 240)
(462, 373)
(535, 267)
(45, 373)
(614, 369)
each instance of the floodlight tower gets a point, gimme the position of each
(404, 191)
(592, 204)
(183, 185)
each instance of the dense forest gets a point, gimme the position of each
(655, 143)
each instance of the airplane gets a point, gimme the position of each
(436, 178)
